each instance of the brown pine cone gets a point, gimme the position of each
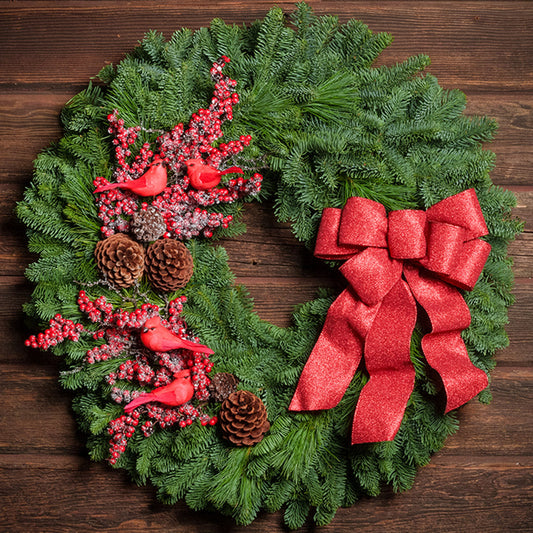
(148, 225)
(120, 259)
(243, 418)
(222, 385)
(168, 264)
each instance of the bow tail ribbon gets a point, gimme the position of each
(383, 399)
(335, 356)
(443, 347)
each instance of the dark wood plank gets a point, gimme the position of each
(463, 38)
(524, 205)
(51, 427)
(520, 250)
(14, 292)
(476, 494)
(514, 138)
(30, 123)
(519, 328)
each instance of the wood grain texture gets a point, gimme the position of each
(481, 481)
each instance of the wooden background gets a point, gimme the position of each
(481, 480)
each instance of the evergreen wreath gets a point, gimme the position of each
(314, 124)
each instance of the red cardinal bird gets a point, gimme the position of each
(152, 182)
(178, 392)
(203, 176)
(160, 339)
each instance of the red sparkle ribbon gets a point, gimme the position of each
(392, 263)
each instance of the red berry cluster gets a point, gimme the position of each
(175, 308)
(141, 370)
(184, 212)
(121, 430)
(123, 139)
(182, 207)
(59, 330)
(146, 368)
(102, 312)
(182, 416)
(166, 419)
(114, 206)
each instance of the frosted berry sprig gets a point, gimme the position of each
(185, 223)
(183, 416)
(119, 334)
(141, 370)
(123, 140)
(175, 307)
(138, 370)
(185, 210)
(204, 128)
(123, 428)
(116, 327)
(116, 206)
(114, 348)
(151, 370)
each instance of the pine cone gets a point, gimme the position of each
(222, 385)
(243, 418)
(148, 225)
(168, 264)
(120, 259)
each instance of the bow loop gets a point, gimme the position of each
(463, 210)
(363, 223)
(445, 243)
(469, 265)
(452, 220)
(327, 246)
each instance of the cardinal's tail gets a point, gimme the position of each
(103, 188)
(196, 347)
(232, 170)
(143, 398)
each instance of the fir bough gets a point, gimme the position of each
(325, 126)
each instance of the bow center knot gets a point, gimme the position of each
(407, 234)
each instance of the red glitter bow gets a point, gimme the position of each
(391, 262)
